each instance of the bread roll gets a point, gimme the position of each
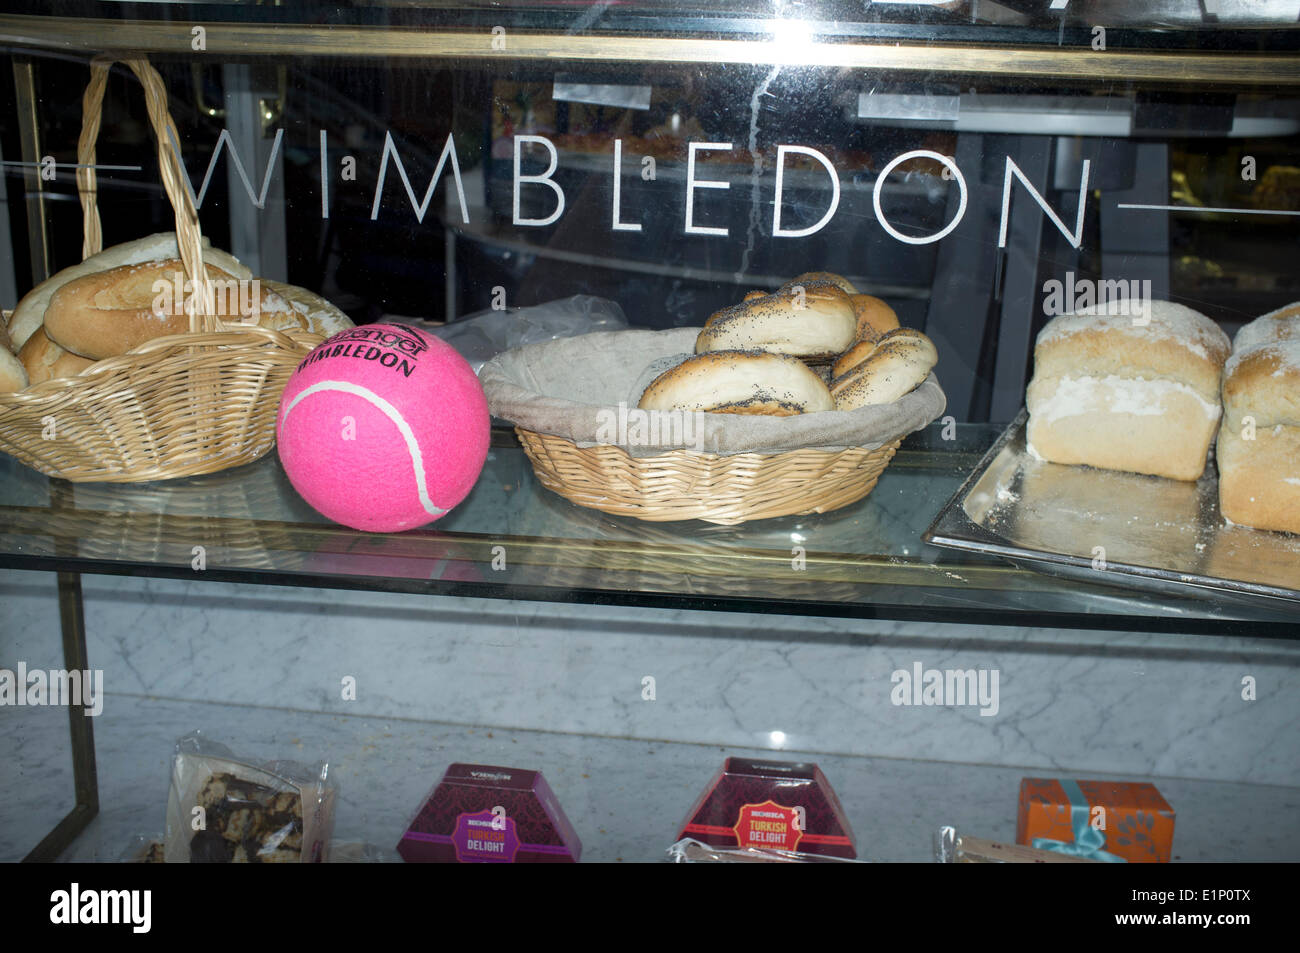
(814, 278)
(739, 382)
(1259, 457)
(816, 324)
(864, 349)
(5, 343)
(851, 359)
(1109, 392)
(30, 312)
(107, 313)
(12, 375)
(44, 360)
(874, 317)
(896, 366)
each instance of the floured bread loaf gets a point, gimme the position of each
(107, 313)
(30, 312)
(44, 360)
(305, 311)
(815, 322)
(1112, 393)
(1280, 325)
(1259, 443)
(739, 382)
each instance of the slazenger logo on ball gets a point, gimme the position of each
(371, 344)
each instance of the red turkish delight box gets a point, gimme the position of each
(774, 804)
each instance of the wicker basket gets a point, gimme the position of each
(551, 391)
(175, 406)
(685, 484)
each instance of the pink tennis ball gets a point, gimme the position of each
(383, 428)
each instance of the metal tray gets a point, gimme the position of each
(1114, 528)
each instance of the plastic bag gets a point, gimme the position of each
(951, 847)
(482, 336)
(224, 809)
(142, 849)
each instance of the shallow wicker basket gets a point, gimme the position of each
(540, 383)
(686, 484)
(175, 406)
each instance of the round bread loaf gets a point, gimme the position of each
(1280, 325)
(815, 324)
(30, 312)
(44, 360)
(874, 316)
(896, 366)
(814, 278)
(12, 374)
(739, 382)
(107, 313)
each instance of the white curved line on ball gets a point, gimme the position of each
(412, 445)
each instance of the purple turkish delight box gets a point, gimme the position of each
(484, 814)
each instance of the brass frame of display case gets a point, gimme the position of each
(262, 39)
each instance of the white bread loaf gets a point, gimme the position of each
(816, 323)
(107, 313)
(310, 311)
(12, 374)
(739, 382)
(1110, 392)
(30, 312)
(1280, 325)
(1259, 457)
(44, 360)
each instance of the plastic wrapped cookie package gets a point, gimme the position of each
(225, 809)
(690, 851)
(951, 847)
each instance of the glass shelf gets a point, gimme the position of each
(512, 538)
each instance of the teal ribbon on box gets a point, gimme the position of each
(1088, 841)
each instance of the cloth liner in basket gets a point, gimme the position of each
(562, 396)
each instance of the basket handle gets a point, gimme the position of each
(189, 239)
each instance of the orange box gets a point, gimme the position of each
(1114, 821)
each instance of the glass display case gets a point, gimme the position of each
(982, 167)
